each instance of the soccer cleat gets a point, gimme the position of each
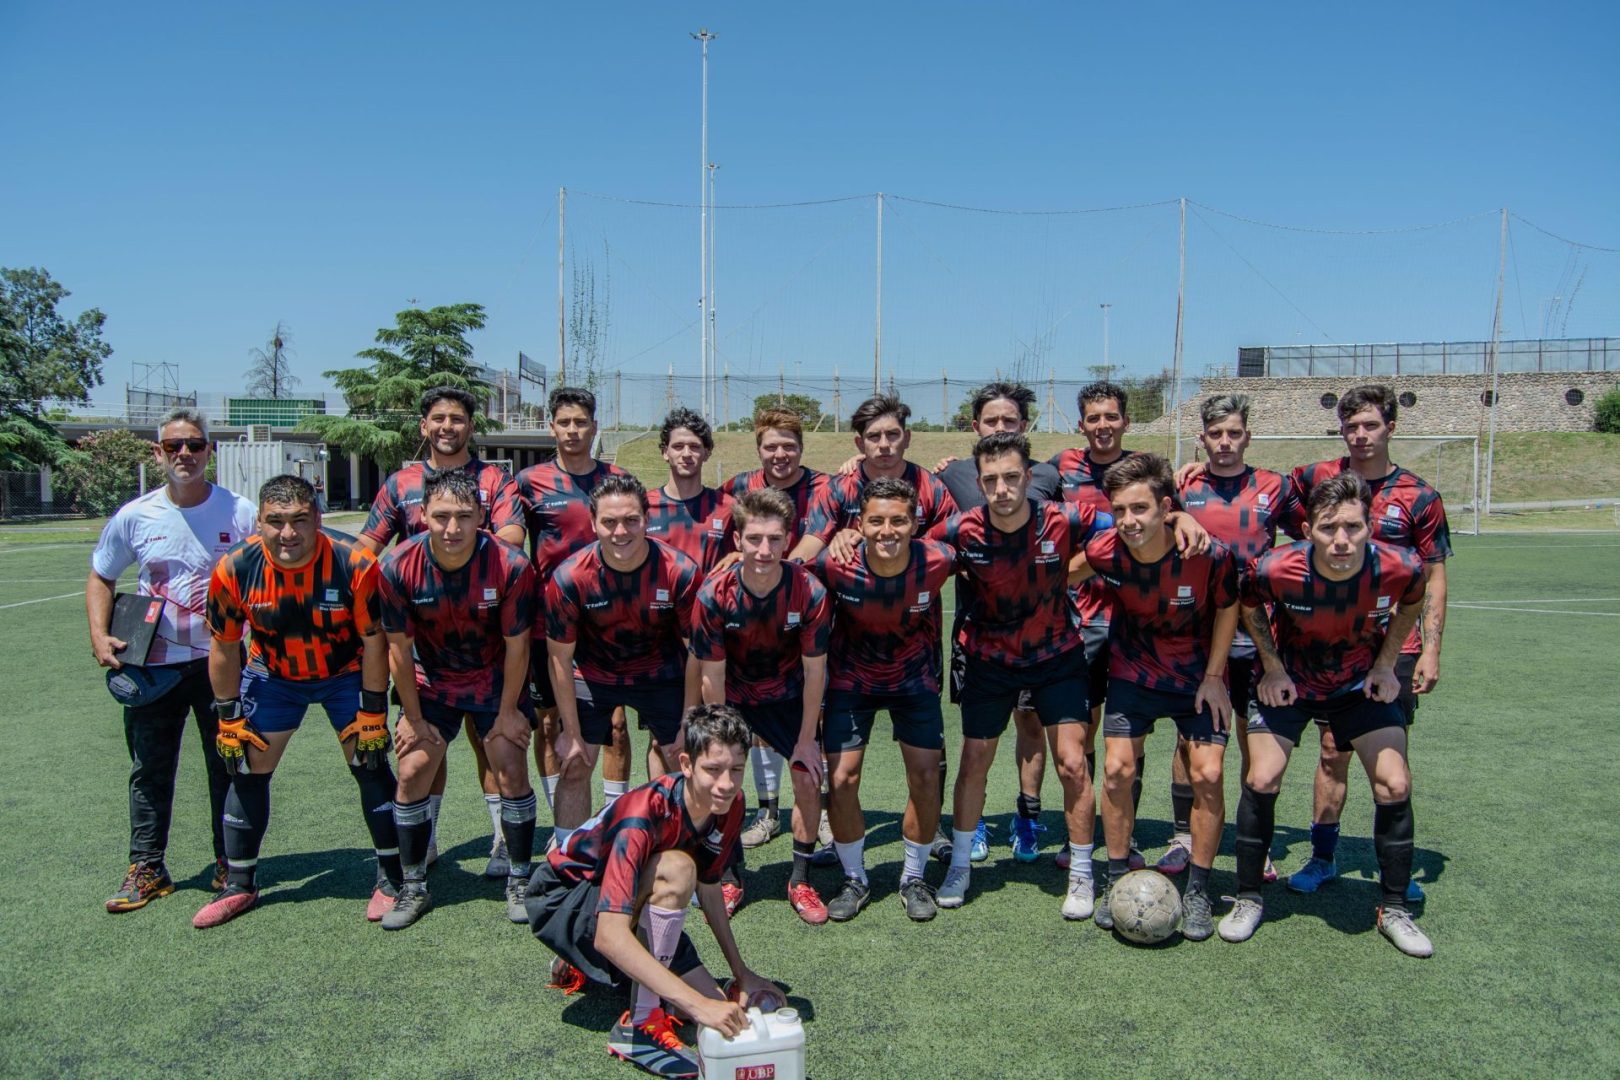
(1269, 874)
(1243, 920)
(1313, 875)
(1414, 892)
(1080, 901)
(849, 901)
(143, 884)
(1061, 859)
(941, 847)
(953, 890)
(1397, 925)
(980, 850)
(1175, 860)
(766, 826)
(824, 831)
(1026, 841)
(1197, 919)
(1103, 913)
(221, 876)
(411, 904)
(653, 1046)
(517, 897)
(1138, 861)
(499, 865)
(230, 903)
(807, 903)
(918, 900)
(382, 900)
(732, 893)
(566, 977)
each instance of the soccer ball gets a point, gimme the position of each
(1146, 906)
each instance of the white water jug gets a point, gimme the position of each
(771, 1047)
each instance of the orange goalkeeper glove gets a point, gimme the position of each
(234, 730)
(370, 731)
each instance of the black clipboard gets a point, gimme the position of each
(135, 621)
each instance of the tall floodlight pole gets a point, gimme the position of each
(1494, 401)
(711, 403)
(562, 340)
(1181, 304)
(704, 37)
(877, 329)
(1107, 373)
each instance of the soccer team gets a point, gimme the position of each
(769, 622)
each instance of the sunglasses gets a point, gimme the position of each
(174, 446)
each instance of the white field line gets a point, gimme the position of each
(1548, 600)
(38, 580)
(1534, 610)
(14, 549)
(41, 600)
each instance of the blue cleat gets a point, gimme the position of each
(1414, 892)
(1313, 875)
(980, 850)
(1026, 844)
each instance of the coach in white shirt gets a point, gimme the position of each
(174, 534)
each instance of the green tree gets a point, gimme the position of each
(424, 348)
(269, 375)
(103, 472)
(808, 408)
(42, 356)
(1606, 416)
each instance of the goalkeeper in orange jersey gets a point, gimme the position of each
(310, 600)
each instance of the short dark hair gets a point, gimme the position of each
(618, 484)
(886, 487)
(704, 726)
(1336, 491)
(435, 394)
(286, 490)
(1370, 396)
(762, 503)
(691, 421)
(457, 484)
(1149, 469)
(1017, 393)
(876, 406)
(1101, 390)
(1002, 442)
(572, 395)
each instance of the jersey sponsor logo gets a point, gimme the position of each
(660, 594)
(424, 599)
(595, 605)
(1264, 498)
(1116, 582)
(153, 610)
(554, 503)
(793, 618)
(260, 605)
(756, 1072)
(491, 594)
(224, 538)
(1305, 608)
(849, 598)
(331, 596)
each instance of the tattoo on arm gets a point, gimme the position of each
(1259, 628)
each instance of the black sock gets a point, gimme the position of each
(517, 827)
(1256, 822)
(1136, 787)
(415, 825)
(247, 816)
(377, 787)
(1392, 840)
(802, 850)
(1029, 806)
(1181, 804)
(769, 804)
(1197, 878)
(1118, 868)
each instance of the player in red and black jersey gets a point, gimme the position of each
(311, 604)
(618, 616)
(1340, 606)
(759, 633)
(885, 655)
(1173, 620)
(447, 427)
(457, 605)
(683, 513)
(1016, 556)
(612, 901)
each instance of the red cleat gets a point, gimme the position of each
(732, 892)
(807, 903)
(225, 907)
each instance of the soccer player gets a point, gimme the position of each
(683, 513)
(1241, 506)
(557, 501)
(1341, 604)
(174, 534)
(1171, 632)
(618, 618)
(311, 603)
(759, 633)
(1016, 556)
(396, 514)
(612, 901)
(885, 655)
(463, 601)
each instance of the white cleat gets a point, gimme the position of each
(1242, 921)
(1081, 900)
(953, 890)
(1397, 925)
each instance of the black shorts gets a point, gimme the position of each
(959, 672)
(776, 722)
(658, 707)
(447, 718)
(1405, 665)
(1132, 711)
(1094, 637)
(846, 721)
(540, 691)
(1242, 673)
(1056, 687)
(563, 917)
(1348, 716)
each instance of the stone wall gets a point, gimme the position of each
(1439, 404)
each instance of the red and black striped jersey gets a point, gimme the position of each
(803, 493)
(762, 639)
(886, 630)
(396, 513)
(627, 626)
(1083, 483)
(1243, 511)
(307, 621)
(613, 849)
(1163, 612)
(1329, 632)
(700, 526)
(840, 504)
(458, 619)
(557, 508)
(1016, 599)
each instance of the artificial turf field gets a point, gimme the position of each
(1514, 763)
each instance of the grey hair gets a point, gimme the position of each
(187, 414)
(1221, 406)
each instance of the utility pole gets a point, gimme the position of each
(710, 406)
(837, 403)
(1108, 371)
(704, 37)
(944, 400)
(1181, 303)
(1493, 400)
(562, 339)
(877, 332)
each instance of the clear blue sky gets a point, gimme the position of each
(201, 171)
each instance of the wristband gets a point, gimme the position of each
(374, 701)
(230, 709)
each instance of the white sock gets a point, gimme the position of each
(433, 812)
(767, 765)
(853, 858)
(549, 785)
(662, 927)
(611, 790)
(1080, 862)
(962, 849)
(916, 860)
(492, 803)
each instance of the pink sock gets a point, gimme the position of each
(663, 929)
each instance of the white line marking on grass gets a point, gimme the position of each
(13, 549)
(1547, 600)
(38, 580)
(1535, 611)
(41, 600)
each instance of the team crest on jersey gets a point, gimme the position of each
(1184, 596)
(331, 596)
(1383, 602)
(715, 840)
(1393, 510)
(224, 537)
(1264, 499)
(923, 596)
(717, 525)
(661, 594)
(1048, 547)
(793, 618)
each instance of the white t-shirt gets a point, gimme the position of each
(176, 549)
